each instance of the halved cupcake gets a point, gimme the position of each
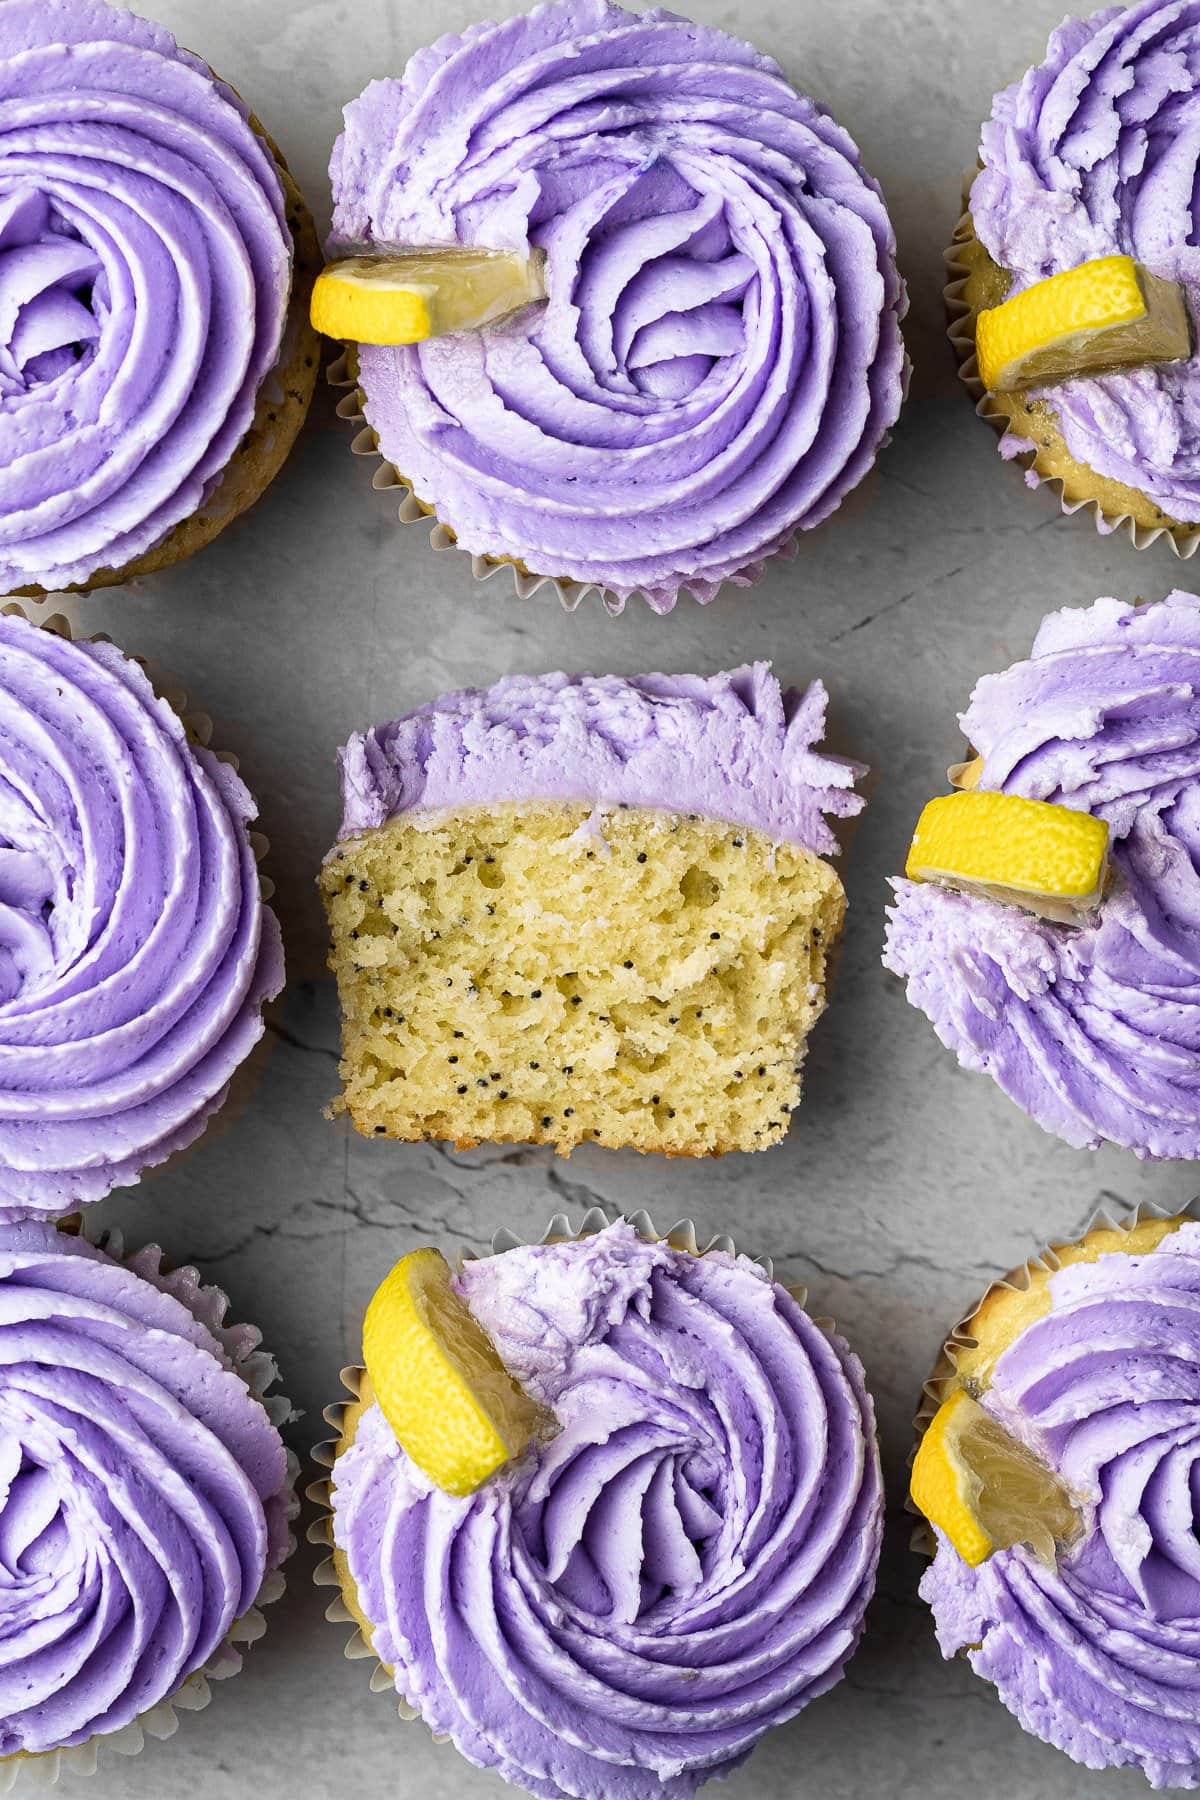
(572, 908)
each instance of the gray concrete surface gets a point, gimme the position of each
(904, 1182)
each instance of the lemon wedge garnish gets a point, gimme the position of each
(1049, 859)
(418, 294)
(437, 1377)
(985, 1490)
(1107, 314)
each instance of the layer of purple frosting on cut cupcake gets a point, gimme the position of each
(734, 746)
(1101, 1654)
(145, 270)
(624, 1612)
(1088, 155)
(1094, 1031)
(135, 951)
(143, 1488)
(719, 359)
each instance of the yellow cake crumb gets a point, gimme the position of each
(542, 973)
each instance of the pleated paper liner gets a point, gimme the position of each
(1115, 508)
(332, 1572)
(200, 729)
(411, 511)
(281, 408)
(1044, 1262)
(259, 1371)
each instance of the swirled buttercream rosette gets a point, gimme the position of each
(683, 1566)
(156, 257)
(136, 951)
(719, 357)
(1088, 1354)
(1093, 1030)
(146, 1503)
(1085, 157)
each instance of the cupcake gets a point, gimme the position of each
(146, 1494)
(1065, 1419)
(679, 1550)
(577, 907)
(156, 360)
(1083, 159)
(718, 359)
(1091, 1026)
(135, 950)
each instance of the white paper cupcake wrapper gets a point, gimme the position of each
(681, 1236)
(411, 511)
(961, 332)
(1018, 1280)
(259, 1372)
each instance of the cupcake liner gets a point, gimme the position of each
(1018, 1280)
(681, 1236)
(259, 1371)
(387, 478)
(200, 730)
(1183, 539)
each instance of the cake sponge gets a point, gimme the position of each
(558, 971)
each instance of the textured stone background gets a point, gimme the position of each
(904, 1183)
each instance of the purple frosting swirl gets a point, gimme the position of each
(719, 359)
(143, 1489)
(1090, 154)
(1094, 1031)
(135, 952)
(733, 746)
(145, 269)
(623, 1613)
(1100, 1655)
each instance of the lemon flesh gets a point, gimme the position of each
(985, 1490)
(1107, 314)
(1048, 859)
(417, 294)
(437, 1377)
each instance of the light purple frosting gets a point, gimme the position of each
(1091, 154)
(624, 1612)
(143, 1488)
(719, 359)
(135, 951)
(145, 269)
(1100, 1655)
(1095, 1030)
(733, 746)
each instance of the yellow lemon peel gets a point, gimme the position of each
(418, 294)
(438, 1379)
(985, 1490)
(1110, 313)
(1048, 859)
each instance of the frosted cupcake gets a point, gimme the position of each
(1066, 1420)
(135, 951)
(146, 1495)
(576, 907)
(156, 359)
(668, 1544)
(1082, 160)
(718, 358)
(1091, 1026)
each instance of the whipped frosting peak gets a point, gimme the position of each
(1101, 1654)
(1088, 155)
(719, 358)
(143, 1487)
(1095, 1030)
(135, 951)
(145, 272)
(623, 1613)
(734, 746)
